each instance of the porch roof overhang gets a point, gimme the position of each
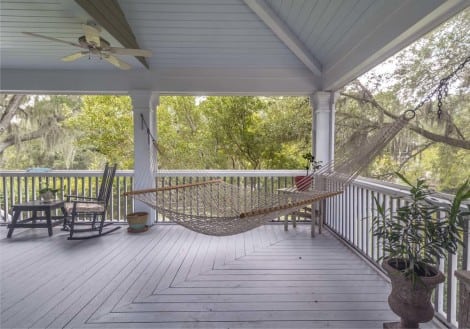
(258, 47)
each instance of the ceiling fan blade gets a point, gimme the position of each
(117, 62)
(92, 34)
(52, 39)
(74, 56)
(130, 51)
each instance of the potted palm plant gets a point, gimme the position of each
(414, 237)
(304, 182)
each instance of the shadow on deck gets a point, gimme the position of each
(170, 277)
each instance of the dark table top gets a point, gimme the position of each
(38, 204)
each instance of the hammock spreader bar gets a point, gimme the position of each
(170, 187)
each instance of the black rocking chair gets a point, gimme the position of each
(85, 215)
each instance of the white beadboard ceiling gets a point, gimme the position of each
(215, 46)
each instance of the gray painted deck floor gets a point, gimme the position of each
(170, 277)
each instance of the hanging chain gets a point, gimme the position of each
(442, 90)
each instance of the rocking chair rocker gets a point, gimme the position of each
(85, 215)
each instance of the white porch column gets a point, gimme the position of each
(144, 103)
(323, 125)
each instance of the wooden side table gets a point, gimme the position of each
(314, 214)
(45, 220)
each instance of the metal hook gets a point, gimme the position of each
(409, 114)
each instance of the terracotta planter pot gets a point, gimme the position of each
(303, 183)
(412, 302)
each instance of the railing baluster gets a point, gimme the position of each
(439, 291)
(466, 245)
(451, 288)
(342, 218)
(367, 217)
(12, 193)
(373, 212)
(362, 218)
(4, 202)
(117, 192)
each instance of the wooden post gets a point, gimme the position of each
(323, 136)
(323, 107)
(144, 103)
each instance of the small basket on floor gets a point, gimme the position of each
(131, 230)
(137, 222)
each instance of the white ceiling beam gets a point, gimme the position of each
(285, 34)
(366, 54)
(178, 81)
(109, 15)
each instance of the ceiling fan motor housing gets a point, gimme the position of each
(104, 44)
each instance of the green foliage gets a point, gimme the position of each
(181, 133)
(417, 232)
(40, 136)
(105, 131)
(193, 133)
(233, 132)
(287, 124)
(400, 84)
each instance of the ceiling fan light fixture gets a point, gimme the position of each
(92, 35)
(93, 44)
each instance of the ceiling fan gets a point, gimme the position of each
(93, 44)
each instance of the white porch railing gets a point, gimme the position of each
(17, 186)
(347, 215)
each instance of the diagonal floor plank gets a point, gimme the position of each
(170, 277)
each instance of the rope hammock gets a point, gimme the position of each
(217, 208)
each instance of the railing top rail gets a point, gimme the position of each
(394, 190)
(381, 186)
(229, 173)
(159, 173)
(61, 173)
(397, 191)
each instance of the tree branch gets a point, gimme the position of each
(10, 111)
(368, 98)
(11, 140)
(419, 151)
